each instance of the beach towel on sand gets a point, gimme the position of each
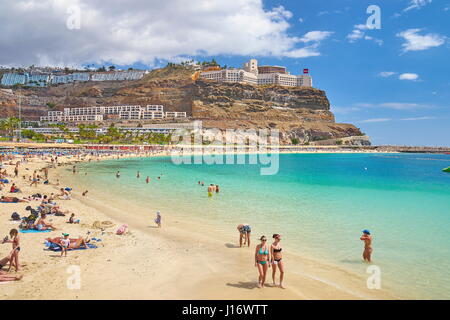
(34, 231)
(54, 247)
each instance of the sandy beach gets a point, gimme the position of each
(179, 261)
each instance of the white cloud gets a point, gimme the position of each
(315, 36)
(344, 110)
(359, 32)
(377, 41)
(375, 120)
(417, 4)
(321, 13)
(417, 42)
(125, 32)
(394, 105)
(386, 74)
(417, 118)
(391, 119)
(408, 76)
(401, 105)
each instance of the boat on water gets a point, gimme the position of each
(446, 169)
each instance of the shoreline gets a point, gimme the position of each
(179, 261)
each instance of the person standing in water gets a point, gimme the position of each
(217, 188)
(147, 180)
(211, 190)
(118, 174)
(275, 253)
(367, 238)
(262, 258)
(138, 175)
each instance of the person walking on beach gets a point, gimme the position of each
(74, 169)
(262, 258)
(276, 259)
(16, 170)
(244, 234)
(35, 180)
(158, 219)
(367, 238)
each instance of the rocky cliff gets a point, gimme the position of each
(301, 114)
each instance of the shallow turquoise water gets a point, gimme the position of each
(319, 203)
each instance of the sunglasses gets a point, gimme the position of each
(263, 239)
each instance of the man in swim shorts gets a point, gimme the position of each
(211, 190)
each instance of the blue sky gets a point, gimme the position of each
(389, 110)
(391, 82)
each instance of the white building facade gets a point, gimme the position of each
(123, 112)
(250, 75)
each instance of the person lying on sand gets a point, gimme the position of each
(11, 199)
(74, 243)
(6, 277)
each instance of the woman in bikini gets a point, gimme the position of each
(262, 258)
(73, 243)
(275, 253)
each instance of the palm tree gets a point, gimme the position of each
(9, 125)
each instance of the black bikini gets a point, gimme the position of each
(277, 250)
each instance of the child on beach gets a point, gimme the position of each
(65, 242)
(158, 219)
(72, 219)
(15, 240)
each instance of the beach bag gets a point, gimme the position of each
(15, 216)
(122, 229)
(68, 189)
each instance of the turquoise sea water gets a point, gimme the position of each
(318, 202)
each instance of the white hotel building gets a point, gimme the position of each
(251, 74)
(125, 112)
